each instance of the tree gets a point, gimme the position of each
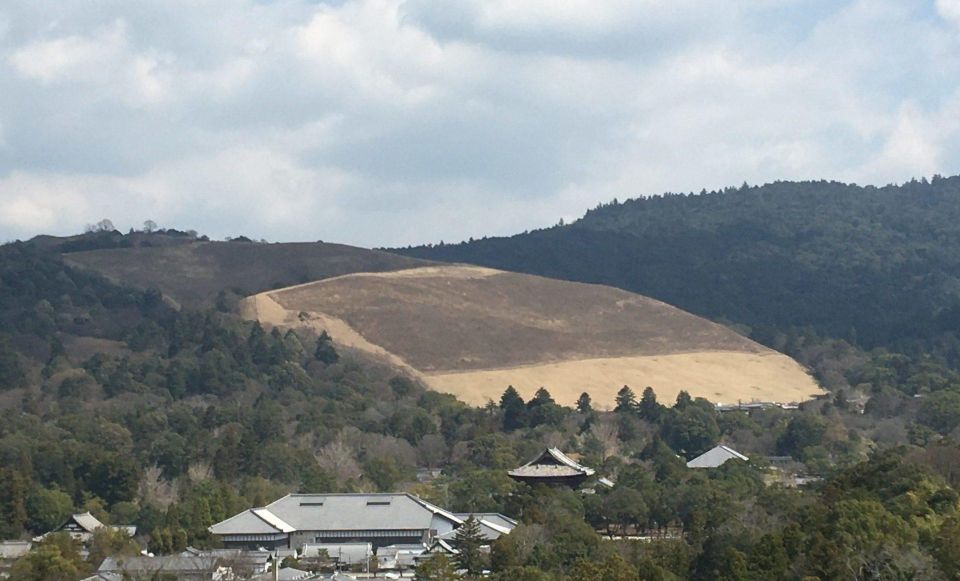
(13, 502)
(45, 563)
(108, 542)
(149, 226)
(383, 472)
(47, 508)
(11, 371)
(436, 568)
(513, 408)
(692, 431)
(802, 432)
(542, 409)
(468, 541)
(941, 411)
(626, 400)
(325, 351)
(649, 408)
(104, 225)
(683, 400)
(584, 403)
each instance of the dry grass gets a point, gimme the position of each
(720, 376)
(193, 274)
(472, 331)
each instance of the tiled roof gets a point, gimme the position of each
(336, 512)
(552, 463)
(715, 457)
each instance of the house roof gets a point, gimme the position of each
(89, 523)
(336, 512)
(490, 529)
(552, 463)
(165, 564)
(491, 517)
(440, 546)
(14, 549)
(284, 574)
(715, 457)
(256, 558)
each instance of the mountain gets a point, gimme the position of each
(472, 331)
(879, 267)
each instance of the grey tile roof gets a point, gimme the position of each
(491, 517)
(14, 549)
(715, 457)
(552, 463)
(167, 564)
(336, 512)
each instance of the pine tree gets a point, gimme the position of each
(325, 352)
(584, 403)
(513, 408)
(648, 407)
(468, 541)
(626, 400)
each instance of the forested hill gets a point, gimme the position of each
(876, 266)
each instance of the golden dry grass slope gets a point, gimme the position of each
(472, 331)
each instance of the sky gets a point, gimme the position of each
(395, 122)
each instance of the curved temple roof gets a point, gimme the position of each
(552, 463)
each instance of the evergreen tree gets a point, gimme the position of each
(626, 400)
(683, 400)
(648, 407)
(513, 408)
(542, 409)
(584, 403)
(468, 541)
(325, 352)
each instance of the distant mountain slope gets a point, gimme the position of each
(472, 331)
(879, 266)
(194, 273)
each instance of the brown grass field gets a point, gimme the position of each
(472, 331)
(193, 274)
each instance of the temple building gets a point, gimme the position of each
(342, 522)
(552, 467)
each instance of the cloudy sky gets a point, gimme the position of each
(389, 122)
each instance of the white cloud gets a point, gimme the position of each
(384, 122)
(949, 10)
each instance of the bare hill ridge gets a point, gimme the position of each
(472, 331)
(194, 273)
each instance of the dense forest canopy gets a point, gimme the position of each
(878, 267)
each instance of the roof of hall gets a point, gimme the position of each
(552, 463)
(336, 512)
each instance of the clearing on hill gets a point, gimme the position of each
(472, 331)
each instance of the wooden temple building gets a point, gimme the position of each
(552, 467)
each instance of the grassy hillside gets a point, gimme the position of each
(875, 266)
(194, 273)
(473, 331)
